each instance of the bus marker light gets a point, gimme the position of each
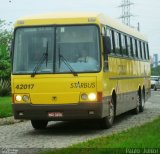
(92, 19)
(20, 22)
(18, 98)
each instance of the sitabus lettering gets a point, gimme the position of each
(83, 85)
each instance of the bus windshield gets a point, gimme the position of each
(45, 49)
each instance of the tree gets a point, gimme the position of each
(5, 61)
(155, 71)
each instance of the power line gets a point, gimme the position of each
(126, 12)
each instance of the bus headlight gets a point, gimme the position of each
(21, 98)
(84, 96)
(18, 98)
(92, 96)
(25, 98)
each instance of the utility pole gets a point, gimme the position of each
(126, 12)
(138, 27)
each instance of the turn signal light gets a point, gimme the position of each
(99, 96)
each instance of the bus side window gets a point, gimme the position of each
(136, 45)
(117, 43)
(138, 49)
(147, 49)
(129, 47)
(144, 47)
(125, 38)
(113, 40)
(142, 50)
(133, 47)
(109, 34)
(123, 45)
(132, 54)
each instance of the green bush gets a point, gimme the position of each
(155, 71)
(4, 91)
(5, 87)
(5, 61)
(5, 107)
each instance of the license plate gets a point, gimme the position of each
(55, 114)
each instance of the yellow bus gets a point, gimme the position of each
(71, 66)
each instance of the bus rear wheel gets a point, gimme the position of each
(142, 101)
(107, 121)
(39, 124)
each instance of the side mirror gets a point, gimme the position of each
(107, 50)
(106, 45)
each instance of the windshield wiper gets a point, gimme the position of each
(68, 65)
(46, 54)
(42, 59)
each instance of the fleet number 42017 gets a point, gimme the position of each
(24, 86)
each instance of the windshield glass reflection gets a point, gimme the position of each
(78, 45)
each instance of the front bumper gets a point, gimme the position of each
(70, 112)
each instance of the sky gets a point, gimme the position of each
(146, 12)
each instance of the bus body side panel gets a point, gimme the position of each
(124, 77)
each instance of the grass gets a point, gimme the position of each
(138, 138)
(5, 107)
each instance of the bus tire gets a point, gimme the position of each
(107, 121)
(142, 101)
(39, 124)
(136, 110)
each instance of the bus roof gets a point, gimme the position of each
(77, 18)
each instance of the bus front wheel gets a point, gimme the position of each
(39, 124)
(107, 121)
